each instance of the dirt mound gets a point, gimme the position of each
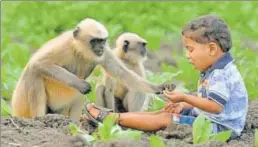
(52, 131)
(123, 143)
(48, 131)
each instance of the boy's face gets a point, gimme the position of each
(200, 55)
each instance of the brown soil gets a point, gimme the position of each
(52, 131)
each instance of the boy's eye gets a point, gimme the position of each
(190, 50)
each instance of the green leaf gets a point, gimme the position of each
(9, 75)
(115, 129)
(106, 128)
(156, 141)
(89, 138)
(222, 136)
(206, 131)
(201, 129)
(73, 128)
(109, 122)
(256, 137)
(157, 103)
(102, 132)
(199, 121)
(6, 109)
(128, 134)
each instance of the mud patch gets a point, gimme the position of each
(123, 143)
(177, 131)
(48, 131)
(52, 131)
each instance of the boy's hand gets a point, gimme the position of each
(174, 96)
(174, 108)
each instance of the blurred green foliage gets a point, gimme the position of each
(6, 110)
(202, 132)
(156, 141)
(27, 25)
(106, 131)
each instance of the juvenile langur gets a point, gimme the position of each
(54, 78)
(131, 50)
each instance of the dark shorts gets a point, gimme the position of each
(187, 116)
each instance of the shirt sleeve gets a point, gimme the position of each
(218, 89)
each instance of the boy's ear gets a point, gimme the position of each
(213, 48)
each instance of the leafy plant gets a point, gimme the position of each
(94, 79)
(156, 141)
(161, 77)
(109, 131)
(202, 131)
(6, 109)
(256, 138)
(222, 136)
(106, 131)
(156, 103)
(22, 35)
(75, 130)
(185, 72)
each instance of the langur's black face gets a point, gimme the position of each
(140, 47)
(98, 45)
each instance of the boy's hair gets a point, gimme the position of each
(209, 28)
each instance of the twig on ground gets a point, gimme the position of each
(14, 123)
(13, 144)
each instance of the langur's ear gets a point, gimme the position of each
(76, 32)
(126, 46)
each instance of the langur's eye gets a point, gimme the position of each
(103, 41)
(144, 44)
(94, 41)
(98, 41)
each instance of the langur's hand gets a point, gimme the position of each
(164, 86)
(85, 87)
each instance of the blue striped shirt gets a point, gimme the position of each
(223, 84)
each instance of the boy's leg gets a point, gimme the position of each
(148, 113)
(142, 121)
(186, 116)
(216, 128)
(145, 122)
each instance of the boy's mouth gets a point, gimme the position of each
(189, 61)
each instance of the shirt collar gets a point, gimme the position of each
(220, 64)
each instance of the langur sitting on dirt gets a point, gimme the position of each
(54, 80)
(131, 50)
(222, 96)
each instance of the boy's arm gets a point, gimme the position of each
(204, 104)
(208, 105)
(218, 95)
(186, 105)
